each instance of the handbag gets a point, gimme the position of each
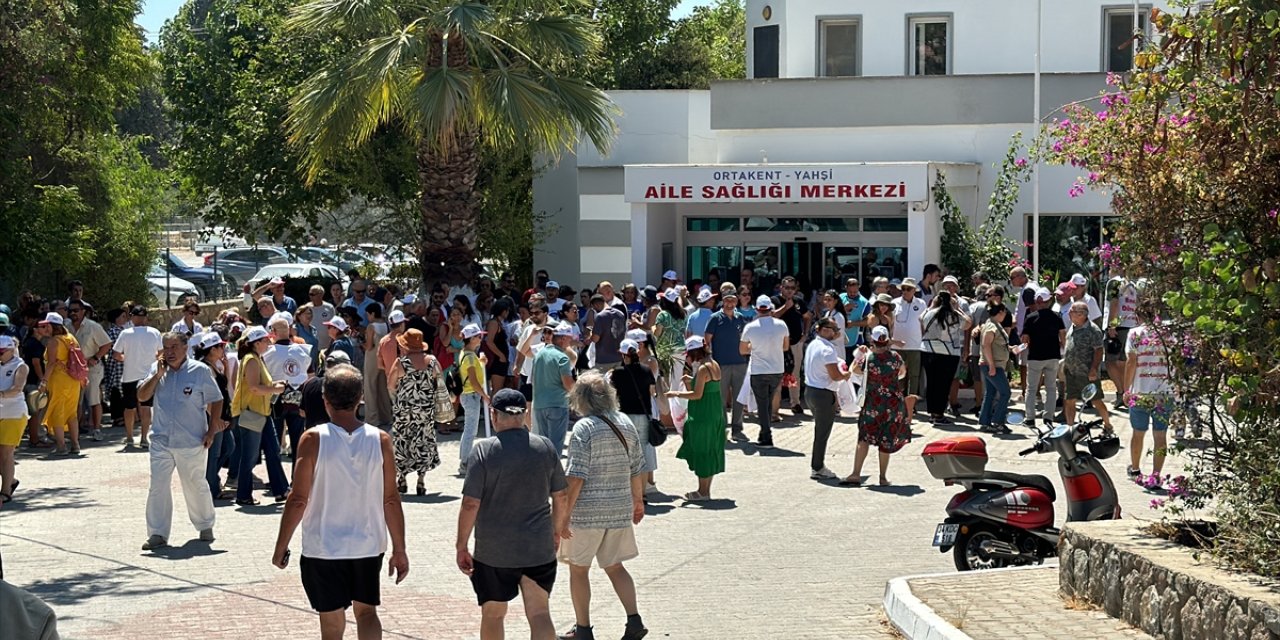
(252, 420)
(657, 432)
(444, 402)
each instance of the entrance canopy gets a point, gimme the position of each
(779, 183)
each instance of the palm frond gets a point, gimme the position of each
(550, 34)
(353, 16)
(436, 107)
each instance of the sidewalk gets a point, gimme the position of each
(996, 605)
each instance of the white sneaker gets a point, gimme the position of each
(823, 474)
(97, 435)
(651, 490)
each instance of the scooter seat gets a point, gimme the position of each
(1034, 481)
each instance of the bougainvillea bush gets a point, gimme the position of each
(1188, 144)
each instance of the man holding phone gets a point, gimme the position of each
(344, 497)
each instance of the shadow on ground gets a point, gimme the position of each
(46, 498)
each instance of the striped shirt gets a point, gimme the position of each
(599, 459)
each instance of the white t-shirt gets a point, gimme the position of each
(139, 346)
(1128, 306)
(554, 307)
(528, 341)
(288, 362)
(817, 356)
(906, 322)
(1095, 312)
(765, 335)
(1152, 375)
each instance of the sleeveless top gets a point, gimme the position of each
(344, 518)
(16, 408)
(244, 399)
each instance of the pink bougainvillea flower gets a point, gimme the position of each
(1076, 190)
(1020, 162)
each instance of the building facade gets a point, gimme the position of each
(822, 163)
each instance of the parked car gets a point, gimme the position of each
(170, 290)
(298, 277)
(242, 263)
(213, 286)
(215, 238)
(345, 260)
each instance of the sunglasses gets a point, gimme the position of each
(359, 290)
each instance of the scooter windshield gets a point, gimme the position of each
(1060, 430)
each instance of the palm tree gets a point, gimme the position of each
(453, 75)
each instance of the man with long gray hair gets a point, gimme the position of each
(606, 498)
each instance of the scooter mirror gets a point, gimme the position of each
(1091, 392)
(1015, 417)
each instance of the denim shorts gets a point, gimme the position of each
(1141, 419)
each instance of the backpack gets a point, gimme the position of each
(453, 380)
(77, 365)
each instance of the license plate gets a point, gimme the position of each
(945, 535)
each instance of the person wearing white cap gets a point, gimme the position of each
(340, 339)
(13, 412)
(471, 367)
(636, 384)
(136, 348)
(64, 390)
(669, 331)
(765, 340)
(211, 349)
(1045, 336)
(883, 421)
(669, 280)
(702, 444)
(1081, 294)
(697, 323)
(388, 348)
(278, 298)
(822, 360)
(322, 311)
(555, 305)
(188, 414)
(255, 392)
(288, 360)
(908, 309)
(551, 379)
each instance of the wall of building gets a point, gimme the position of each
(988, 36)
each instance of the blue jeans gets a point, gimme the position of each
(1142, 420)
(552, 423)
(221, 452)
(472, 409)
(250, 443)
(995, 399)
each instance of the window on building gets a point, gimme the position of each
(711, 224)
(801, 224)
(838, 47)
(930, 46)
(723, 261)
(885, 224)
(888, 262)
(764, 41)
(1118, 37)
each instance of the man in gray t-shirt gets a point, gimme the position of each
(504, 498)
(607, 333)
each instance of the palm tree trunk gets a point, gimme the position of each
(447, 203)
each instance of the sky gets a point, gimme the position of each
(156, 12)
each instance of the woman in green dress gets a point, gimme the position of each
(703, 445)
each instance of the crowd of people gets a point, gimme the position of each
(354, 387)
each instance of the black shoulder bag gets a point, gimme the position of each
(657, 432)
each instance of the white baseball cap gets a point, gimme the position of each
(397, 316)
(694, 342)
(337, 323)
(1078, 280)
(281, 316)
(209, 340)
(7, 342)
(671, 294)
(638, 335)
(951, 280)
(1043, 294)
(53, 318)
(670, 275)
(705, 295)
(764, 302)
(254, 334)
(879, 334)
(628, 345)
(470, 331)
(563, 329)
(237, 326)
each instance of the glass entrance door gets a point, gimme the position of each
(804, 260)
(840, 264)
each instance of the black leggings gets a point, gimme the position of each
(939, 371)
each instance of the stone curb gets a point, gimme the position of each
(915, 619)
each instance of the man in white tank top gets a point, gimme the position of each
(344, 496)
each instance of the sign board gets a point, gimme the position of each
(903, 182)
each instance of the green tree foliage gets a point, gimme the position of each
(454, 77)
(77, 200)
(229, 70)
(722, 27)
(966, 250)
(1189, 145)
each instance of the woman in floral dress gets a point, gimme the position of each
(414, 377)
(883, 420)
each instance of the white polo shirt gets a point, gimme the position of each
(906, 322)
(817, 356)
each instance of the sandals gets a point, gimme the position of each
(421, 489)
(694, 496)
(6, 498)
(402, 486)
(851, 481)
(251, 502)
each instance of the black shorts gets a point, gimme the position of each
(526, 388)
(332, 585)
(496, 368)
(495, 584)
(129, 395)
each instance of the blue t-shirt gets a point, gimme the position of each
(179, 419)
(861, 309)
(726, 335)
(548, 368)
(696, 325)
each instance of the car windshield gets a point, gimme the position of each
(177, 262)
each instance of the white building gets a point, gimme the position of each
(821, 163)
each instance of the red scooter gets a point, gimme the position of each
(1006, 519)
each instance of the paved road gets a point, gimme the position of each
(777, 555)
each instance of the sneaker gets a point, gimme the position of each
(74, 451)
(1132, 473)
(823, 474)
(955, 411)
(942, 420)
(96, 435)
(635, 630)
(764, 444)
(206, 535)
(651, 491)
(462, 470)
(797, 410)
(61, 451)
(154, 542)
(578, 633)
(738, 436)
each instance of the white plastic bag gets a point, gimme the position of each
(745, 397)
(847, 399)
(679, 413)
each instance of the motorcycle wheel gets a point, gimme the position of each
(968, 554)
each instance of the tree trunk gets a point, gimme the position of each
(447, 248)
